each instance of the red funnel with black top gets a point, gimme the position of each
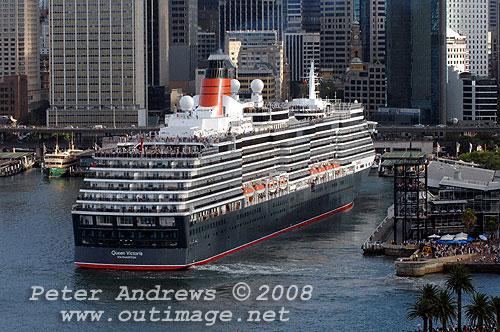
(215, 85)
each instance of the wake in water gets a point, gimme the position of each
(251, 269)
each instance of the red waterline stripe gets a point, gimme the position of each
(211, 259)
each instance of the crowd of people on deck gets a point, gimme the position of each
(446, 250)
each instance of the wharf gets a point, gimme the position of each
(12, 163)
(406, 267)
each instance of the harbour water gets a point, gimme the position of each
(351, 292)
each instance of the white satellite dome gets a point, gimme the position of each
(186, 103)
(257, 86)
(235, 86)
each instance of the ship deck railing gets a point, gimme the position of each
(208, 141)
(78, 207)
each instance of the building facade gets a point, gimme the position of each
(365, 83)
(98, 61)
(207, 44)
(471, 99)
(246, 75)
(302, 48)
(14, 96)
(292, 15)
(336, 21)
(457, 53)
(372, 23)
(416, 57)
(20, 54)
(470, 18)
(183, 44)
(311, 15)
(259, 15)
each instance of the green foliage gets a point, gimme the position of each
(62, 137)
(469, 219)
(459, 281)
(422, 308)
(492, 225)
(495, 307)
(445, 307)
(36, 117)
(486, 159)
(480, 312)
(298, 90)
(328, 90)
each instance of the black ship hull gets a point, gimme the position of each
(214, 238)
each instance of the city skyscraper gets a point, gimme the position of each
(372, 23)
(470, 19)
(336, 21)
(301, 48)
(292, 15)
(19, 33)
(103, 57)
(183, 44)
(311, 15)
(260, 15)
(416, 57)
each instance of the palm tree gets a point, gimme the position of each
(421, 309)
(495, 306)
(480, 311)
(429, 292)
(469, 219)
(460, 280)
(445, 307)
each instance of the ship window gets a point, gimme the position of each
(86, 220)
(126, 235)
(105, 234)
(125, 221)
(104, 221)
(88, 233)
(167, 221)
(146, 222)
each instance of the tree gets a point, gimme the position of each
(495, 306)
(421, 309)
(460, 280)
(429, 292)
(492, 225)
(480, 311)
(445, 307)
(469, 219)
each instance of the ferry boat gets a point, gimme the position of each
(222, 175)
(60, 163)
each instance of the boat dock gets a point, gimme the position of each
(12, 163)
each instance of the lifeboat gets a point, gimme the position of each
(283, 184)
(322, 169)
(313, 171)
(330, 167)
(259, 188)
(272, 186)
(248, 191)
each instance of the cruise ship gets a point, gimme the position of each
(221, 175)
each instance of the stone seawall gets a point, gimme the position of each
(476, 267)
(405, 267)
